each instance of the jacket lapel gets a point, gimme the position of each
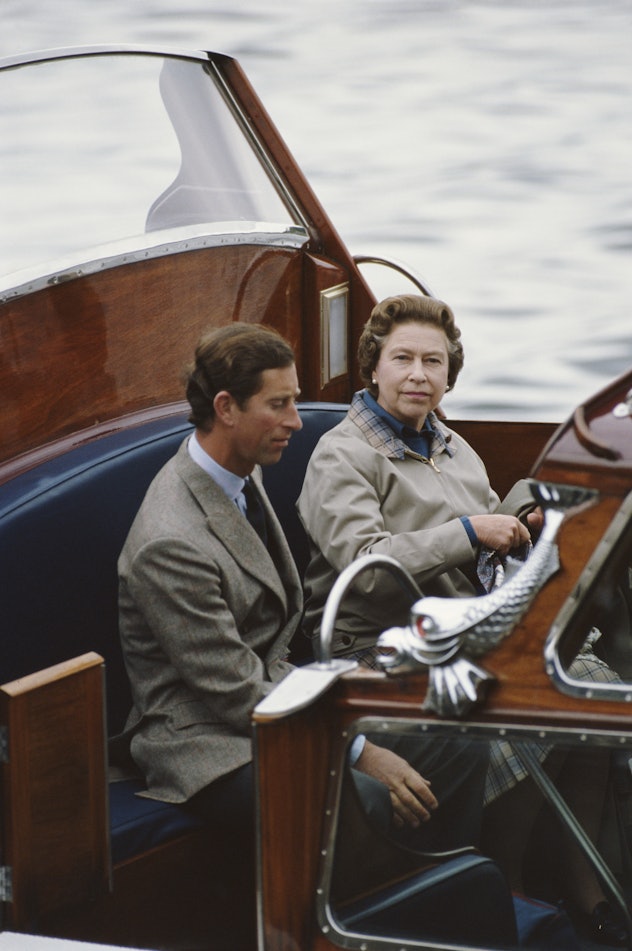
(232, 529)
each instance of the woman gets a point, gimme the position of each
(393, 479)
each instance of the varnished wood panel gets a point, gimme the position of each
(508, 449)
(54, 812)
(595, 446)
(292, 763)
(89, 350)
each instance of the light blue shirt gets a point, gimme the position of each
(230, 483)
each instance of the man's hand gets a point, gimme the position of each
(411, 797)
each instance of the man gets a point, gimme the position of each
(208, 606)
(207, 610)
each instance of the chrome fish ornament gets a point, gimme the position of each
(445, 633)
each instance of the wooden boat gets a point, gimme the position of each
(148, 197)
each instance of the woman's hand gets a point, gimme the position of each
(535, 521)
(411, 797)
(500, 532)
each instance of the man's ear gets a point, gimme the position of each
(224, 406)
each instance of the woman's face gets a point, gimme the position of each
(412, 372)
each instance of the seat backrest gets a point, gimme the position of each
(284, 481)
(62, 527)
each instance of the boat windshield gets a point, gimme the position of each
(122, 149)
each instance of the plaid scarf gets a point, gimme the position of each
(382, 438)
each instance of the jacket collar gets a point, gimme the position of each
(382, 437)
(230, 527)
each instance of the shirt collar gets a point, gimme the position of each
(381, 436)
(230, 483)
(400, 429)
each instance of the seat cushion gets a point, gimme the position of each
(465, 899)
(138, 824)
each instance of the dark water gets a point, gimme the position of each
(486, 144)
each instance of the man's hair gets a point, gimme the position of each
(408, 308)
(232, 358)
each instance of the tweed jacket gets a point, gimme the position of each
(366, 491)
(205, 622)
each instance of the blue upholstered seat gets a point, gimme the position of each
(62, 526)
(138, 824)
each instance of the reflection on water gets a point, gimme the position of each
(488, 144)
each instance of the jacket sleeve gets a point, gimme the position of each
(519, 500)
(347, 494)
(190, 635)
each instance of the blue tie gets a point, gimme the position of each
(254, 511)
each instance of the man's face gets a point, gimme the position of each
(262, 427)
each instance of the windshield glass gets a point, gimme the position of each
(523, 825)
(103, 149)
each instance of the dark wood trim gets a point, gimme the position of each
(55, 833)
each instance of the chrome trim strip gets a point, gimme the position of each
(418, 281)
(567, 615)
(301, 688)
(342, 584)
(105, 49)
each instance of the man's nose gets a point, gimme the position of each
(294, 420)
